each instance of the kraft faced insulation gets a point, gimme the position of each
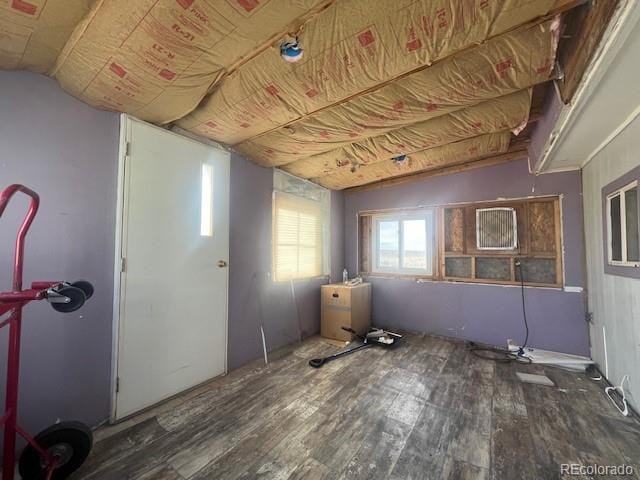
(501, 66)
(377, 79)
(493, 116)
(434, 158)
(156, 59)
(33, 32)
(350, 47)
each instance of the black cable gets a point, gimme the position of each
(496, 354)
(501, 355)
(524, 308)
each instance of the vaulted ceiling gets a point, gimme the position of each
(383, 90)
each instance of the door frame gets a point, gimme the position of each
(126, 122)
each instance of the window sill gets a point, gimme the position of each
(399, 276)
(625, 264)
(304, 279)
(451, 280)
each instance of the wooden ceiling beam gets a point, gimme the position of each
(585, 28)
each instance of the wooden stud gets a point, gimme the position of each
(577, 52)
(559, 248)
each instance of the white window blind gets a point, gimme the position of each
(301, 231)
(297, 237)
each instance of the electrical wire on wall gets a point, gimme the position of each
(502, 355)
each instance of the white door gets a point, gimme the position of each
(174, 281)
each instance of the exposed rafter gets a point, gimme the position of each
(584, 29)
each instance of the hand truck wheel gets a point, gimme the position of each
(76, 298)
(68, 442)
(85, 286)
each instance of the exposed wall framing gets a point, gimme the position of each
(538, 256)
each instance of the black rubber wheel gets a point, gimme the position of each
(70, 442)
(76, 296)
(85, 286)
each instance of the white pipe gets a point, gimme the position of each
(264, 346)
(606, 359)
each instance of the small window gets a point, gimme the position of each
(496, 228)
(622, 226)
(301, 228)
(297, 233)
(403, 243)
(206, 201)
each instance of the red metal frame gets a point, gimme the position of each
(12, 302)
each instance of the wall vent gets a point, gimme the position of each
(496, 229)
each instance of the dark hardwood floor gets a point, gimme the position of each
(426, 410)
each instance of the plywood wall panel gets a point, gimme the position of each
(454, 230)
(542, 229)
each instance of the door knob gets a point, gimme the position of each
(222, 263)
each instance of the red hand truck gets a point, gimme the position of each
(59, 450)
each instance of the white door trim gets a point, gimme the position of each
(120, 230)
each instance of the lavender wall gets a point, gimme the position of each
(287, 311)
(67, 152)
(483, 313)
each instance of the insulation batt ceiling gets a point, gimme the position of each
(425, 160)
(377, 78)
(501, 66)
(156, 59)
(33, 32)
(350, 47)
(493, 116)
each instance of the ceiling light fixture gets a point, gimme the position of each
(291, 51)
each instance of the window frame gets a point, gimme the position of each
(619, 192)
(275, 244)
(400, 217)
(531, 244)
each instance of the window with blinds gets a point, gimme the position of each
(297, 237)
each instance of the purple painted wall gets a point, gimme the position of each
(288, 312)
(483, 313)
(67, 152)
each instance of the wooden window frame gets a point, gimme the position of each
(525, 243)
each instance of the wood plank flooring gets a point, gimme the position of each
(425, 410)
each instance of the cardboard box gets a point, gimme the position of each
(348, 306)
